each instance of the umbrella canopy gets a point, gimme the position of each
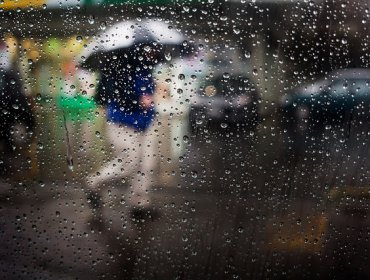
(125, 39)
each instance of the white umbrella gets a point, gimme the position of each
(125, 35)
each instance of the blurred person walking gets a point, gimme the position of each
(126, 89)
(125, 55)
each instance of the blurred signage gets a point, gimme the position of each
(16, 4)
(55, 4)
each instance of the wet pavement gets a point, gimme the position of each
(238, 204)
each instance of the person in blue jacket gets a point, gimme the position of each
(127, 92)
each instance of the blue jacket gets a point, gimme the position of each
(124, 90)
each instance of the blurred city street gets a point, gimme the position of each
(288, 214)
(162, 139)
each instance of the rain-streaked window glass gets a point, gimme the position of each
(161, 139)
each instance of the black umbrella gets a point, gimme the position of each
(152, 40)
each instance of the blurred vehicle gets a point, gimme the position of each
(17, 120)
(226, 95)
(342, 96)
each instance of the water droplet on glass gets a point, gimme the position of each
(168, 56)
(103, 25)
(70, 163)
(91, 20)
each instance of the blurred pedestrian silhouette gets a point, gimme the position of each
(125, 55)
(126, 88)
(17, 120)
